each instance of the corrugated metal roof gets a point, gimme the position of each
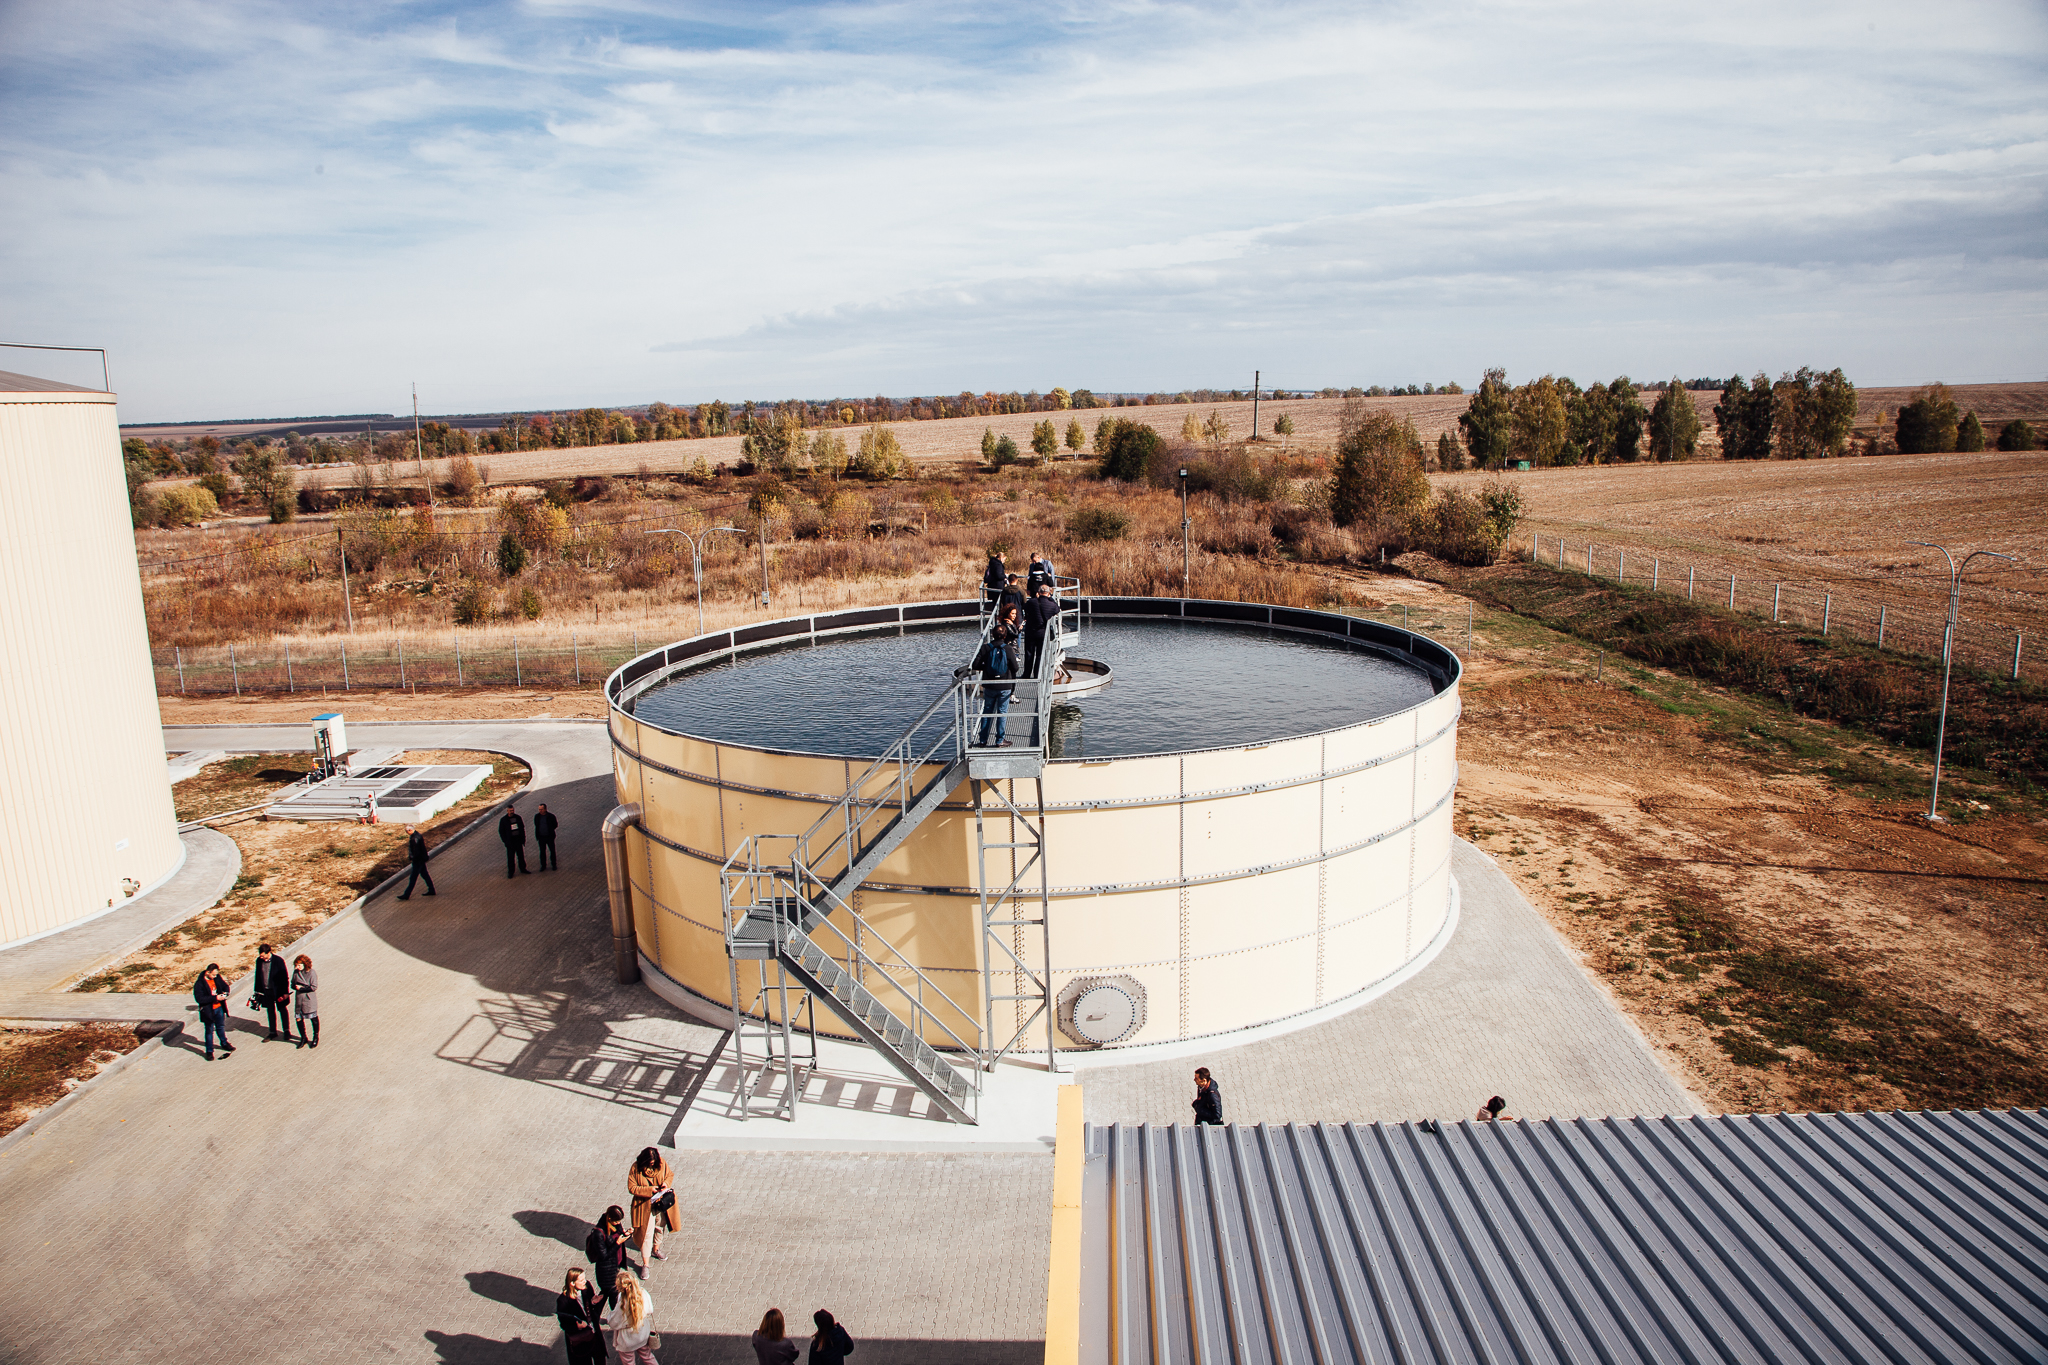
(1757, 1238)
(10, 382)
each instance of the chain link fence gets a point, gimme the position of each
(1910, 627)
(392, 665)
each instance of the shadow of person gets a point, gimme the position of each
(512, 1291)
(471, 1349)
(565, 1228)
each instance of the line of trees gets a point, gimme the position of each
(1804, 415)
(1551, 421)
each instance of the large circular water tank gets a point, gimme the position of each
(1252, 822)
(84, 792)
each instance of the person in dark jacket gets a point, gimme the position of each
(577, 1311)
(994, 579)
(271, 991)
(512, 834)
(771, 1342)
(1039, 574)
(1012, 596)
(1208, 1104)
(416, 854)
(1038, 617)
(998, 660)
(831, 1345)
(605, 1248)
(544, 825)
(211, 991)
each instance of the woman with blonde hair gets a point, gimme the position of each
(631, 1321)
(772, 1345)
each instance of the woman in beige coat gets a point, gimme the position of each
(652, 1185)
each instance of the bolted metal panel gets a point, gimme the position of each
(1909, 1237)
(83, 784)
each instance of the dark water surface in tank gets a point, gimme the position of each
(1178, 685)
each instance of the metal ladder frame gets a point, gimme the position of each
(743, 1092)
(1032, 985)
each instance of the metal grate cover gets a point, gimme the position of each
(1843, 1237)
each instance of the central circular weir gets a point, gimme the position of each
(1250, 822)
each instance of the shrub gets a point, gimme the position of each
(1005, 453)
(1129, 450)
(216, 484)
(529, 604)
(185, 506)
(1099, 521)
(1927, 425)
(464, 480)
(2018, 434)
(559, 493)
(1969, 433)
(879, 456)
(1378, 480)
(511, 555)
(472, 604)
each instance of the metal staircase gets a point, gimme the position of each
(789, 899)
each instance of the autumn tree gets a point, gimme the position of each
(1045, 440)
(828, 453)
(1539, 430)
(1129, 449)
(1075, 438)
(1450, 456)
(879, 456)
(270, 479)
(1488, 422)
(1191, 428)
(1216, 429)
(1060, 399)
(1813, 414)
(1378, 480)
(1674, 424)
(988, 444)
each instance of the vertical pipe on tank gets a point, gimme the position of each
(618, 890)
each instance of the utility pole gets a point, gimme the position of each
(1184, 530)
(696, 543)
(764, 558)
(1255, 405)
(1948, 644)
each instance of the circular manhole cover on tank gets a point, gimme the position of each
(1105, 1012)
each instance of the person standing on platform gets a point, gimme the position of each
(306, 997)
(544, 825)
(1039, 574)
(997, 661)
(1012, 597)
(993, 580)
(211, 991)
(416, 854)
(1208, 1104)
(512, 833)
(271, 988)
(1038, 618)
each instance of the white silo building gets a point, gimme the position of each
(85, 797)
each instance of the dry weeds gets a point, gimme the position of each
(39, 1066)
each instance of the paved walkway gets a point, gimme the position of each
(416, 1187)
(56, 961)
(1504, 1010)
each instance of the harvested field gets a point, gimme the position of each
(294, 874)
(39, 1066)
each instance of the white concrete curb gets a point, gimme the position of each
(171, 1030)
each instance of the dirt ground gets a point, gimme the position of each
(39, 1066)
(366, 706)
(294, 874)
(1758, 891)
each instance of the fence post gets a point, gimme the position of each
(181, 672)
(1600, 668)
(344, 666)
(1621, 573)
(1560, 552)
(289, 686)
(1535, 547)
(1777, 596)
(1404, 616)
(1827, 611)
(1468, 640)
(458, 661)
(1690, 574)
(518, 678)
(1881, 610)
(576, 656)
(2017, 640)
(234, 669)
(1655, 566)
(1731, 592)
(1589, 559)
(401, 664)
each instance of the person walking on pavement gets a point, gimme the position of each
(211, 991)
(512, 833)
(1038, 618)
(416, 854)
(605, 1249)
(306, 997)
(652, 1185)
(772, 1345)
(631, 1321)
(271, 989)
(576, 1309)
(544, 824)
(831, 1345)
(1208, 1105)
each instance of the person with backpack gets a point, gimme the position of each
(605, 1249)
(998, 659)
(1039, 574)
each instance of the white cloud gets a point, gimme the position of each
(572, 203)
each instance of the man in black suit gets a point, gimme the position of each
(272, 989)
(544, 835)
(512, 833)
(416, 854)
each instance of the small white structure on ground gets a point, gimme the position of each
(84, 792)
(393, 794)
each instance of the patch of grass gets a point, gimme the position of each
(1746, 1049)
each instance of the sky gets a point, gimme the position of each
(292, 209)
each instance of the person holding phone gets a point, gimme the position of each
(211, 991)
(577, 1310)
(652, 1184)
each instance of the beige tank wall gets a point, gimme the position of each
(84, 794)
(1239, 885)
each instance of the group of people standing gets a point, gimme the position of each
(512, 834)
(616, 1306)
(1024, 611)
(283, 995)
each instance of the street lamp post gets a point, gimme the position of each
(696, 543)
(1948, 651)
(1183, 531)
